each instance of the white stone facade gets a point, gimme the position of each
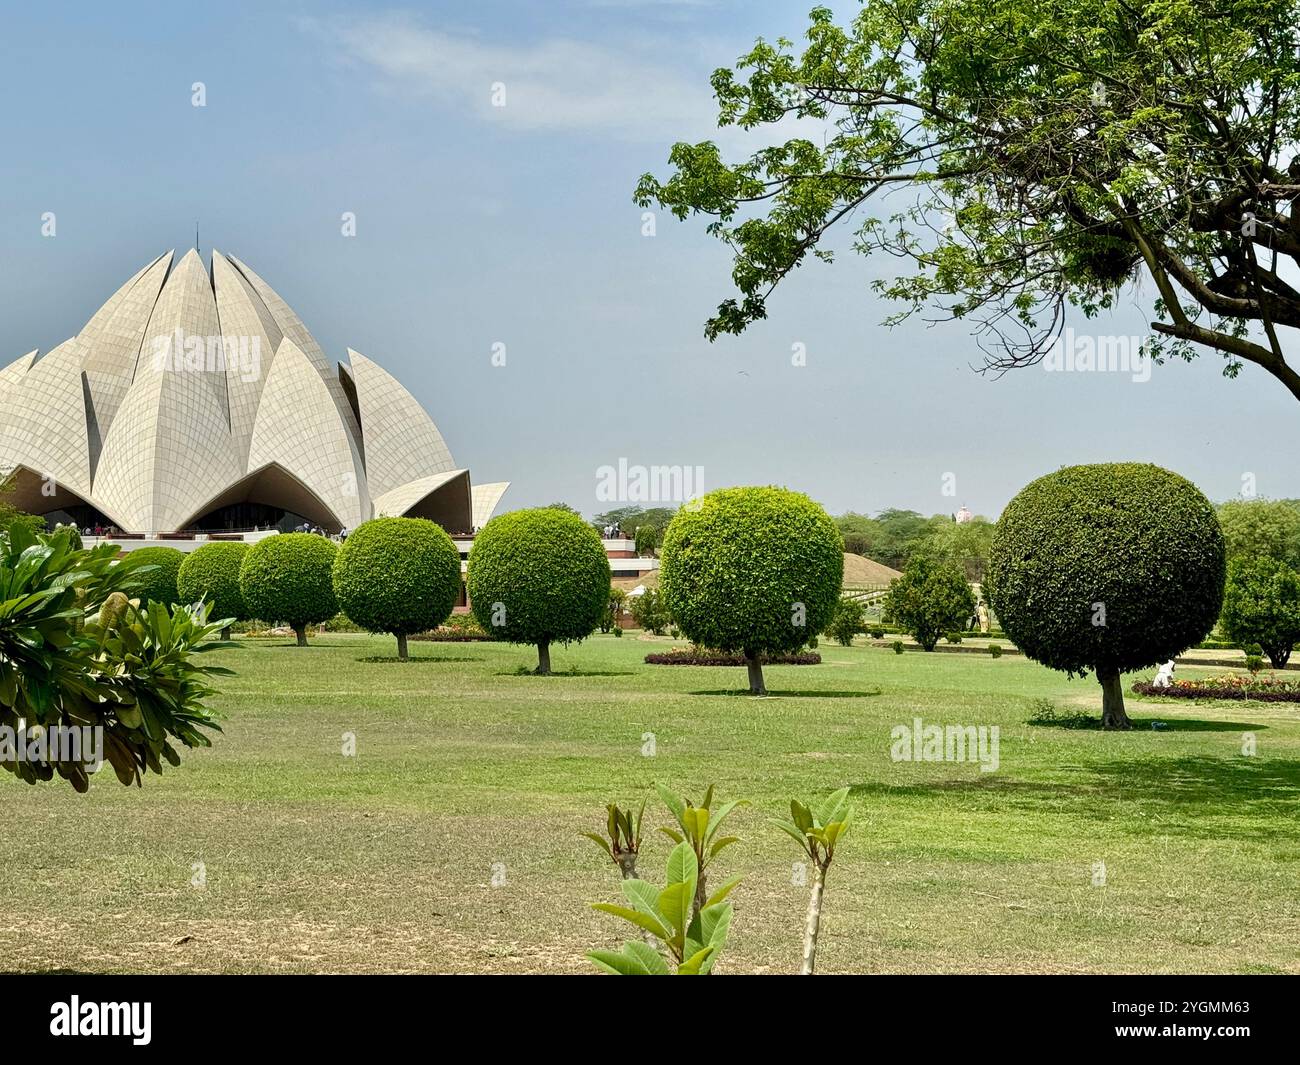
(191, 390)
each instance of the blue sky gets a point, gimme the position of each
(481, 225)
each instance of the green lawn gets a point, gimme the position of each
(466, 772)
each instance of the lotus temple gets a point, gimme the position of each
(196, 405)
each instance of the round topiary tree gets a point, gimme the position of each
(754, 570)
(1112, 568)
(1261, 605)
(211, 574)
(398, 575)
(289, 577)
(537, 577)
(159, 584)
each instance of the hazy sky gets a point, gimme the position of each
(480, 225)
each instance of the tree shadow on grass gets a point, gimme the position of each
(1178, 794)
(771, 694)
(1144, 724)
(417, 659)
(1175, 724)
(560, 674)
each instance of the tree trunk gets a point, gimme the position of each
(1112, 700)
(225, 633)
(755, 674)
(301, 630)
(401, 646)
(544, 658)
(814, 922)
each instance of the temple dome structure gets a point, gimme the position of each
(197, 401)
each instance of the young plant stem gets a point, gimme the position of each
(814, 920)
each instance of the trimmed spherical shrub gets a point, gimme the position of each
(289, 577)
(211, 574)
(538, 577)
(398, 575)
(159, 584)
(1110, 568)
(755, 570)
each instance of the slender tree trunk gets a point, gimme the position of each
(755, 673)
(701, 894)
(225, 633)
(543, 658)
(401, 646)
(814, 922)
(301, 630)
(1112, 700)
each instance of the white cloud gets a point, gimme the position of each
(556, 84)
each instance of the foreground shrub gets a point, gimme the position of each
(539, 577)
(691, 940)
(75, 652)
(697, 826)
(159, 584)
(1261, 605)
(1109, 568)
(211, 574)
(701, 656)
(755, 570)
(289, 578)
(930, 599)
(684, 926)
(684, 923)
(398, 575)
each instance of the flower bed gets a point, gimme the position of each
(459, 628)
(1231, 686)
(700, 656)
